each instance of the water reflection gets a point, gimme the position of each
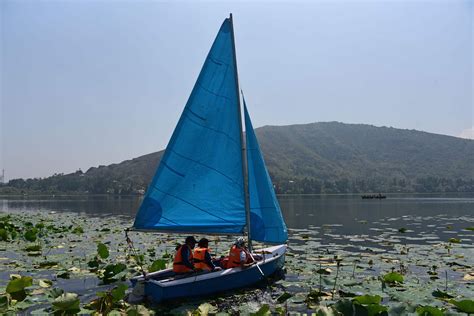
(355, 215)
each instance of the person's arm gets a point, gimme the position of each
(208, 260)
(244, 258)
(185, 257)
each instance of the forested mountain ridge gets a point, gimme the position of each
(328, 157)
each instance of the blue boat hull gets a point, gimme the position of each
(215, 282)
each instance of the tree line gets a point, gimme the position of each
(81, 183)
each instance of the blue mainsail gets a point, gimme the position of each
(198, 186)
(266, 221)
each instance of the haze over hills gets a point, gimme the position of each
(327, 157)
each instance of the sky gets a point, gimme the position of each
(88, 83)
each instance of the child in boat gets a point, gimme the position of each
(183, 259)
(202, 257)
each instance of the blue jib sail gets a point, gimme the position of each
(198, 186)
(266, 221)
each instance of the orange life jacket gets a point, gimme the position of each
(178, 265)
(234, 257)
(200, 258)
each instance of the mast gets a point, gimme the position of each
(244, 155)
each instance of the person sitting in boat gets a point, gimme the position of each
(202, 257)
(239, 256)
(183, 259)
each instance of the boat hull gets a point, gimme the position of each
(159, 290)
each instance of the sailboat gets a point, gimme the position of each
(212, 180)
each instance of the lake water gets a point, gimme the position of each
(434, 215)
(411, 231)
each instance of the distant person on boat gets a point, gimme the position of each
(239, 256)
(202, 257)
(183, 259)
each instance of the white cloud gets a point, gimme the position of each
(467, 133)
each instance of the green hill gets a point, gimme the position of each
(327, 157)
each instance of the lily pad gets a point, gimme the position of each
(368, 299)
(4, 303)
(16, 287)
(66, 302)
(429, 311)
(206, 309)
(157, 265)
(102, 251)
(393, 277)
(118, 293)
(466, 306)
(282, 298)
(441, 294)
(45, 283)
(31, 234)
(263, 311)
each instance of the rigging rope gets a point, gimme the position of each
(135, 253)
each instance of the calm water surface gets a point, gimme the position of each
(325, 225)
(438, 215)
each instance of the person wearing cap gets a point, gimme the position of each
(239, 256)
(202, 257)
(183, 259)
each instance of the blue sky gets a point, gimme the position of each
(85, 83)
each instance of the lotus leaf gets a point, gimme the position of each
(326, 271)
(78, 230)
(3, 234)
(429, 311)
(368, 299)
(45, 283)
(138, 310)
(468, 277)
(118, 293)
(441, 294)
(375, 310)
(345, 307)
(66, 302)
(94, 263)
(33, 248)
(64, 275)
(111, 271)
(55, 292)
(466, 306)
(157, 265)
(102, 251)
(31, 234)
(4, 303)
(454, 240)
(16, 287)
(321, 311)
(206, 309)
(393, 277)
(263, 311)
(282, 298)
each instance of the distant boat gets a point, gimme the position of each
(213, 180)
(374, 196)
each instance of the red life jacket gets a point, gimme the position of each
(200, 258)
(178, 265)
(234, 257)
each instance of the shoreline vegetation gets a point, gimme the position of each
(356, 194)
(79, 183)
(65, 263)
